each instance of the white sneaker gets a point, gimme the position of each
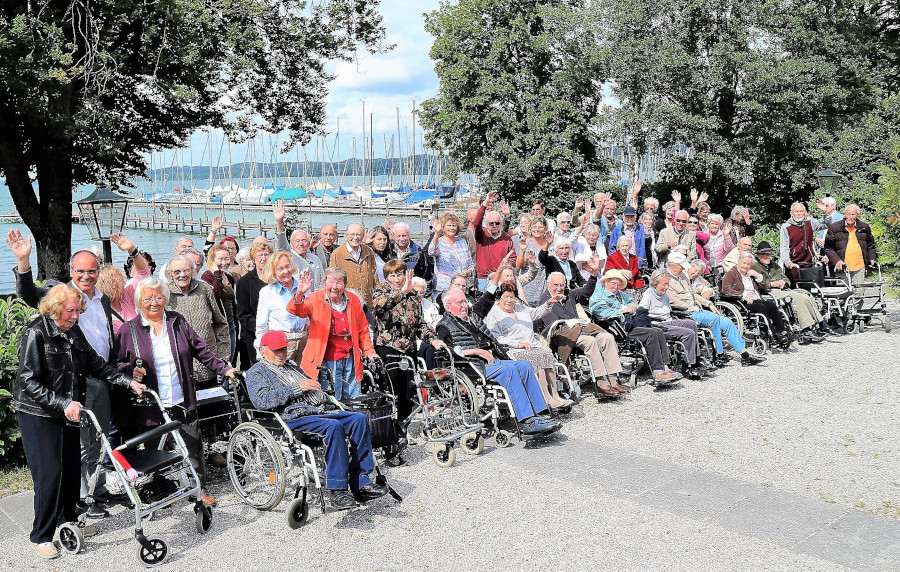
(46, 550)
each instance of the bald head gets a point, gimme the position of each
(745, 244)
(493, 223)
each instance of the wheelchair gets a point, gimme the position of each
(632, 353)
(834, 297)
(706, 348)
(163, 478)
(756, 329)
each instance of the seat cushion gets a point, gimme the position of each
(148, 461)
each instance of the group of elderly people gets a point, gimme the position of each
(304, 314)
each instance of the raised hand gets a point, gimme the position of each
(20, 247)
(122, 242)
(370, 236)
(593, 265)
(676, 196)
(304, 282)
(216, 225)
(637, 188)
(278, 210)
(314, 243)
(704, 196)
(489, 199)
(584, 220)
(407, 282)
(600, 198)
(504, 208)
(693, 196)
(523, 241)
(529, 257)
(579, 202)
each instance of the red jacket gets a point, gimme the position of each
(616, 260)
(316, 308)
(489, 252)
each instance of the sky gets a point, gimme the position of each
(384, 81)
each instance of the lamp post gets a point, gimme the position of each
(829, 181)
(103, 212)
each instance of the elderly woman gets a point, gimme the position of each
(111, 281)
(749, 285)
(700, 285)
(611, 303)
(244, 262)
(338, 332)
(398, 324)
(512, 324)
(739, 225)
(271, 311)
(539, 241)
(218, 275)
(195, 301)
(622, 259)
(247, 299)
(450, 251)
(718, 245)
(47, 395)
(159, 348)
(656, 302)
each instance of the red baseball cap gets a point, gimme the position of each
(274, 340)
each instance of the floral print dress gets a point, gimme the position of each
(399, 320)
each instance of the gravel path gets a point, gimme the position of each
(819, 427)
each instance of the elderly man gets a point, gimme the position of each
(802, 301)
(560, 262)
(606, 220)
(276, 384)
(197, 261)
(538, 210)
(410, 252)
(358, 261)
(830, 215)
(458, 328)
(567, 327)
(492, 244)
(675, 237)
(298, 247)
(629, 227)
(325, 244)
(590, 246)
(181, 245)
(683, 298)
(850, 245)
(96, 324)
(731, 259)
(797, 236)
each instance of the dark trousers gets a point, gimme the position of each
(654, 341)
(769, 309)
(684, 331)
(426, 352)
(401, 380)
(53, 452)
(345, 467)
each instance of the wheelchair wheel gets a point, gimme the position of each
(732, 312)
(444, 457)
(851, 326)
(297, 513)
(886, 320)
(758, 346)
(256, 466)
(503, 438)
(472, 443)
(71, 538)
(203, 518)
(156, 554)
(471, 400)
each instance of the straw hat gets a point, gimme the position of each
(614, 274)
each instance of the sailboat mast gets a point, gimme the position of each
(414, 173)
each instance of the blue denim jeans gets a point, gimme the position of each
(720, 325)
(345, 466)
(523, 387)
(344, 375)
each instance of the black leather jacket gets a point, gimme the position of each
(53, 366)
(469, 334)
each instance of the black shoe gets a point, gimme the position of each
(722, 360)
(342, 500)
(749, 359)
(96, 512)
(371, 491)
(810, 336)
(695, 373)
(826, 329)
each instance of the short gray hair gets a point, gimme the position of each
(336, 272)
(561, 241)
(830, 201)
(623, 237)
(657, 276)
(552, 274)
(698, 264)
(651, 200)
(150, 284)
(746, 254)
(178, 258)
(398, 225)
(715, 218)
(562, 215)
(591, 228)
(739, 209)
(418, 281)
(445, 297)
(299, 231)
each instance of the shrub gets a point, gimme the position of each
(14, 315)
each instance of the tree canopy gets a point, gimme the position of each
(87, 88)
(517, 96)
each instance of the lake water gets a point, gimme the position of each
(160, 244)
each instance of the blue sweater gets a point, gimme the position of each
(608, 306)
(269, 393)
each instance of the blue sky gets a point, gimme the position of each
(384, 81)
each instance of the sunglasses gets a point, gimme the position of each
(493, 224)
(693, 222)
(680, 220)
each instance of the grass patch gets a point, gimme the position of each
(13, 481)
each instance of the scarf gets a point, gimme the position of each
(215, 280)
(291, 376)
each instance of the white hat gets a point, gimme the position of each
(676, 258)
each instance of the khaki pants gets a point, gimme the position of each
(296, 345)
(602, 352)
(804, 305)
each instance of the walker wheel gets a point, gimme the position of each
(297, 513)
(503, 438)
(203, 518)
(758, 346)
(887, 324)
(850, 327)
(156, 554)
(472, 443)
(71, 538)
(444, 456)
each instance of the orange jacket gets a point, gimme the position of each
(316, 308)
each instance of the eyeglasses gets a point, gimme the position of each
(93, 272)
(693, 222)
(565, 222)
(153, 300)
(185, 272)
(458, 303)
(497, 223)
(680, 220)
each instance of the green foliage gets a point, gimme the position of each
(517, 97)
(14, 315)
(887, 220)
(87, 90)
